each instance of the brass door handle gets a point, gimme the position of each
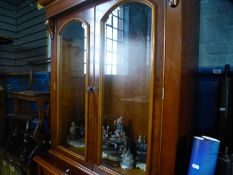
(173, 3)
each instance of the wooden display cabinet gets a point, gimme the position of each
(123, 76)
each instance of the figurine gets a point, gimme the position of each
(114, 143)
(106, 132)
(141, 166)
(141, 149)
(73, 130)
(76, 136)
(119, 124)
(127, 160)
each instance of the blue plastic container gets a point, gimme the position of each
(204, 156)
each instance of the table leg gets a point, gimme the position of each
(16, 105)
(25, 143)
(40, 118)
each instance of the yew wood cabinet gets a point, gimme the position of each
(123, 86)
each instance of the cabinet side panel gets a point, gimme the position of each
(190, 41)
(181, 58)
(173, 40)
(158, 86)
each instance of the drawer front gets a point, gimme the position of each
(54, 166)
(44, 172)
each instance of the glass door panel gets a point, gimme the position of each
(126, 88)
(72, 82)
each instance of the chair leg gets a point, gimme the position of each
(26, 138)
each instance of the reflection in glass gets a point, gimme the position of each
(126, 88)
(72, 82)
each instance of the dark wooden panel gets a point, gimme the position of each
(7, 33)
(32, 44)
(7, 29)
(32, 52)
(32, 57)
(22, 68)
(32, 22)
(7, 19)
(7, 62)
(27, 68)
(8, 3)
(22, 43)
(28, 59)
(7, 11)
(6, 69)
(37, 28)
(29, 16)
(9, 55)
(22, 4)
(24, 10)
(7, 48)
(31, 34)
(31, 37)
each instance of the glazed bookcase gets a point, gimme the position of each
(122, 78)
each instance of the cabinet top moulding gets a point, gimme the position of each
(55, 7)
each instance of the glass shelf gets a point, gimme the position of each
(136, 100)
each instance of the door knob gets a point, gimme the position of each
(95, 89)
(173, 3)
(92, 89)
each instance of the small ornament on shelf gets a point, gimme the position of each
(141, 150)
(115, 142)
(127, 160)
(106, 132)
(76, 136)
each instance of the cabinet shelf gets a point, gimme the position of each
(133, 171)
(136, 99)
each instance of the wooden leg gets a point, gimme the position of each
(29, 172)
(13, 134)
(40, 119)
(16, 105)
(25, 143)
(39, 172)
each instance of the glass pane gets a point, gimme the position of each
(114, 49)
(109, 45)
(126, 89)
(72, 82)
(109, 58)
(115, 21)
(115, 32)
(110, 20)
(109, 32)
